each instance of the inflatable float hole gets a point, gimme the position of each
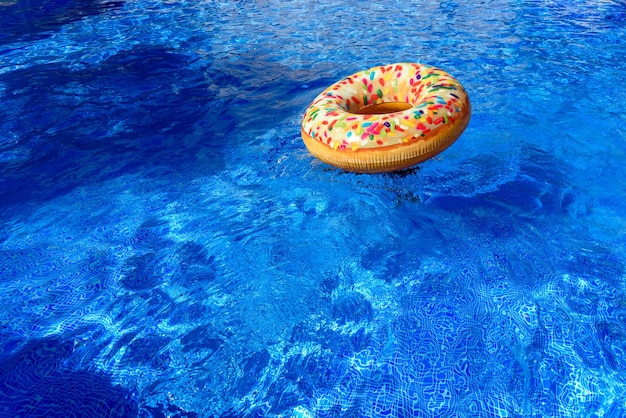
(383, 108)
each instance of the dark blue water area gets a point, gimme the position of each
(32, 20)
(41, 380)
(72, 141)
(168, 248)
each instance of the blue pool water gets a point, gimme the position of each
(168, 248)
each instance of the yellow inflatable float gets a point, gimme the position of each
(386, 118)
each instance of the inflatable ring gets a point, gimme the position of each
(386, 118)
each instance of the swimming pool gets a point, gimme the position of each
(169, 248)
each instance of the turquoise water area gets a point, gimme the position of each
(168, 248)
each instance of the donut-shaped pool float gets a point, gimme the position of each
(386, 118)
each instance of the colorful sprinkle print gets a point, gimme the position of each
(437, 101)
